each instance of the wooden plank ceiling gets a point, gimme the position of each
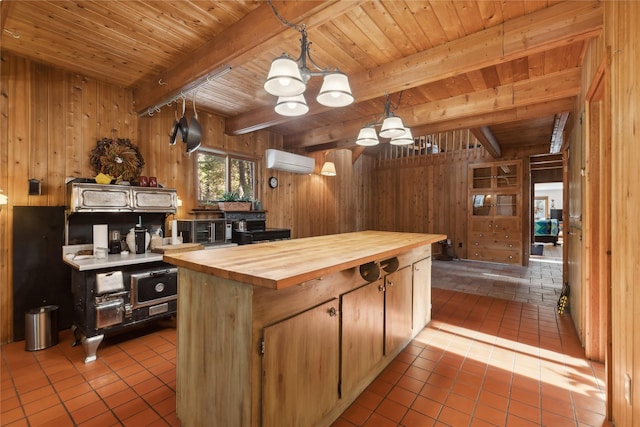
(509, 68)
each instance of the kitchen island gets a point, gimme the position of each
(291, 332)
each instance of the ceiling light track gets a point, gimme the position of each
(288, 78)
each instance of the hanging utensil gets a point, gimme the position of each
(174, 129)
(184, 125)
(194, 136)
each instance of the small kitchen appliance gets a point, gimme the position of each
(115, 246)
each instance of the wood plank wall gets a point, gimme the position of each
(51, 120)
(585, 249)
(623, 44)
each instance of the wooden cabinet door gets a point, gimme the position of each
(398, 309)
(301, 364)
(362, 333)
(421, 294)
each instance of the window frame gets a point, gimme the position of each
(228, 157)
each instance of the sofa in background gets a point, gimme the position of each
(546, 231)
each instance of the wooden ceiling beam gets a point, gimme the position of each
(235, 46)
(486, 119)
(488, 141)
(523, 94)
(545, 29)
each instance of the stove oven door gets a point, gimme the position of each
(109, 313)
(154, 287)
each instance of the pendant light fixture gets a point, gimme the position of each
(288, 79)
(391, 127)
(291, 106)
(404, 139)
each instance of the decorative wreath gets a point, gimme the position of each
(118, 158)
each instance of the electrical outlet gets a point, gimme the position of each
(627, 388)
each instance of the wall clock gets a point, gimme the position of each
(273, 182)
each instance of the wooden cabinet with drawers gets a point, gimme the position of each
(495, 212)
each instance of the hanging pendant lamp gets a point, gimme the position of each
(405, 139)
(292, 106)
(367, 137)
(335, 91)
(288, 77)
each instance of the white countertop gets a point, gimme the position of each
(93, 263)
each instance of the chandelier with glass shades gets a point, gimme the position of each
(391, 127)
(288, 79)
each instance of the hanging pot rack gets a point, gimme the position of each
(183, 95)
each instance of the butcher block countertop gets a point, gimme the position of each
(285, 263)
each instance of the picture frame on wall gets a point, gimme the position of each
(541, 207)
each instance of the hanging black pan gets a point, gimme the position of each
(194, 136)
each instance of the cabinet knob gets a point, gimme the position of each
(506, 236)
(333, 311)
(476, 243)
(510, 256)
(381, 288)
(510, 245)
(481, 234)
(476, 254)
(490, 225)
(390, 284)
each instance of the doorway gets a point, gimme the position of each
(547, 207)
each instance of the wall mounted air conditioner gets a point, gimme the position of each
(289, 162)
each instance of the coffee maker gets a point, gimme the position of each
(115, 245)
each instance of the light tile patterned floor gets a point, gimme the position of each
(539, 283)
(483, 361)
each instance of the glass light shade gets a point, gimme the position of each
(284, 78)
(405, 139)
(328, 169)
(335, 91)
(367, 136)
(392, 127)
(292, 106)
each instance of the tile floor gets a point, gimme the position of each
(483, 361)
(540, 283)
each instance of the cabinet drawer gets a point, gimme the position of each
(496, 255)
(508, 245)
(154, 200)
(488, 235)
(497, 225)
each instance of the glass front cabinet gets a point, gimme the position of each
(495, 212)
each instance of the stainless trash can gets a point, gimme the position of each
(41, 327)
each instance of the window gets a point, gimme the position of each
(218, 173)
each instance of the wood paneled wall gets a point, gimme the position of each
(622, 34)
(50, 121)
